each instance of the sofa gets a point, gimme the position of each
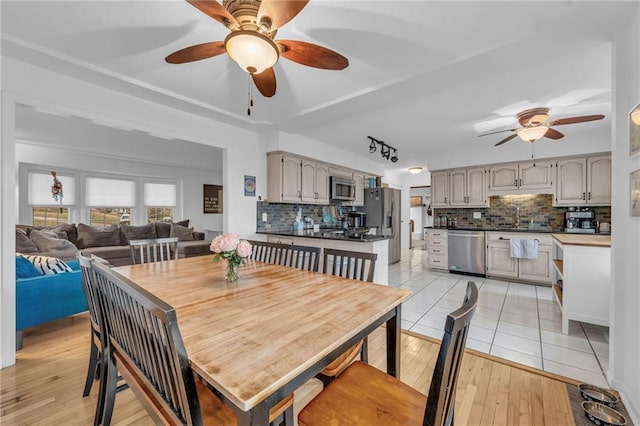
(46, 297)
(110, 243)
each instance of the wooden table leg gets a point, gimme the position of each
(393, 343)
(257, 416)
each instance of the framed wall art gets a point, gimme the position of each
(634, 191)
(634, 131)
(212, 199)
(249, 186)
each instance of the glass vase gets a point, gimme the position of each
(231, 274)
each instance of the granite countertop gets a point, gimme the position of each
(326, 234)
(499, 229)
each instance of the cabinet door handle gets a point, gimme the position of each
(515, 183)
(299, 194)
(589, 195)
(520, 182)
(583, 196)
(445, 200)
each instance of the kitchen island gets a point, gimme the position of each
(582, 277)
(332, 239)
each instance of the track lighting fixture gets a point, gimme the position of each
(385, 149)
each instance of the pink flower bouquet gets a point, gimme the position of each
(231, 248)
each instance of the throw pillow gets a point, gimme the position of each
(48, 240)
(23, 243)
(143, 232)
(163, 229)
(48, 265)
(24, 268)
(90, 236)
(183, 233)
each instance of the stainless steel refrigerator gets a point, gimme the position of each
(382, 206)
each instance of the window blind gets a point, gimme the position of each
(39, 189)
(102, 192)
(160, 194)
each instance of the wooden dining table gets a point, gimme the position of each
(258, 339)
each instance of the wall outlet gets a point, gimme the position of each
(477, 215)
(267, 226)
(264, 217)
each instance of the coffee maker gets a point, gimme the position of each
(581, 222)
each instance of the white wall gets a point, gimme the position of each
(22, 83)
(189, 192)
(624, 363)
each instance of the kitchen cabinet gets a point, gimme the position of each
(294, 179)
(582, 278)
(437, 247)
(359, 178)
(583, 181)
(527, 177)
(467, 188)
(440, 189)
(501, 264)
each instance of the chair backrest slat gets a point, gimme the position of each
(293, 256)
(153, 250)
(350, 264)
(442, 391)
(144, 339)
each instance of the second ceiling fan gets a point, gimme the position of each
(535, 124)
(253, 25)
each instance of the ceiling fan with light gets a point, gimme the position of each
(253, 25)
(535, 124)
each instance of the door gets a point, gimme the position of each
(291, 175)
(476, 188)
(571, 182)
(599, 180)
(440, 189)
(503, 178)
(499, 260)
(359, 201)
(308, 191)
(535, 175)
(538, 269)
(322, 183)
(458, 188)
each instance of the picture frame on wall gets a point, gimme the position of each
(212, 199)
(634, 193)
(249, 186)
(634, 131)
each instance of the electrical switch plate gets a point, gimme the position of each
(477, 215)
(264, 217)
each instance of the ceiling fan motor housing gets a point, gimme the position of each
(533, 117)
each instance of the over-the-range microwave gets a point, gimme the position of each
(342, 188)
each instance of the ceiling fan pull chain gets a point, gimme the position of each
(533, 153)
(250, 97)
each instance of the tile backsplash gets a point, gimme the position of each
(503, 209)
(280, 216)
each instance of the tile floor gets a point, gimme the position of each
(519, 322)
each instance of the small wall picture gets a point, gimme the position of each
(249, 186)
(212, 199)
(634, 189)
(634, 131)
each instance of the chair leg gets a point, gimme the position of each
(110, 389)
(92, 369)
(288, 416)
(364, 352)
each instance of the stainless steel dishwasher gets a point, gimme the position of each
(466, 252)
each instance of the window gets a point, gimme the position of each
(110, 200)
(46, 211)
(160, 201)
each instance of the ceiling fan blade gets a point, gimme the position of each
(498, 131)
(572, 120)
(265, 82)
(507, 139)
(216, 11)
(279, 12)
(553, 134)
(312, 55)
(196, 53)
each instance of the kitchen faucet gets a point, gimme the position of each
(517, 224)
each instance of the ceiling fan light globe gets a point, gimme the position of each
(252, 51)
(532, 134)
(635, 115)
(415, 170)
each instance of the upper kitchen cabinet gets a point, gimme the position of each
(467, 188)
(440, 189)
(529, 177)
(582, 181)
(360, 179)
(293, 179)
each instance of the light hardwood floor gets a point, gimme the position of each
(45, 385)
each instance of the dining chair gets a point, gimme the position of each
(144, 343)
(358, 266)
(97, 343)
(362, 394)
(291, 255)
(153, 250)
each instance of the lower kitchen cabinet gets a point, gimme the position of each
(582, 278)
(501, 264)
(438, 249)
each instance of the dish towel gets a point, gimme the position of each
(524, 249)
